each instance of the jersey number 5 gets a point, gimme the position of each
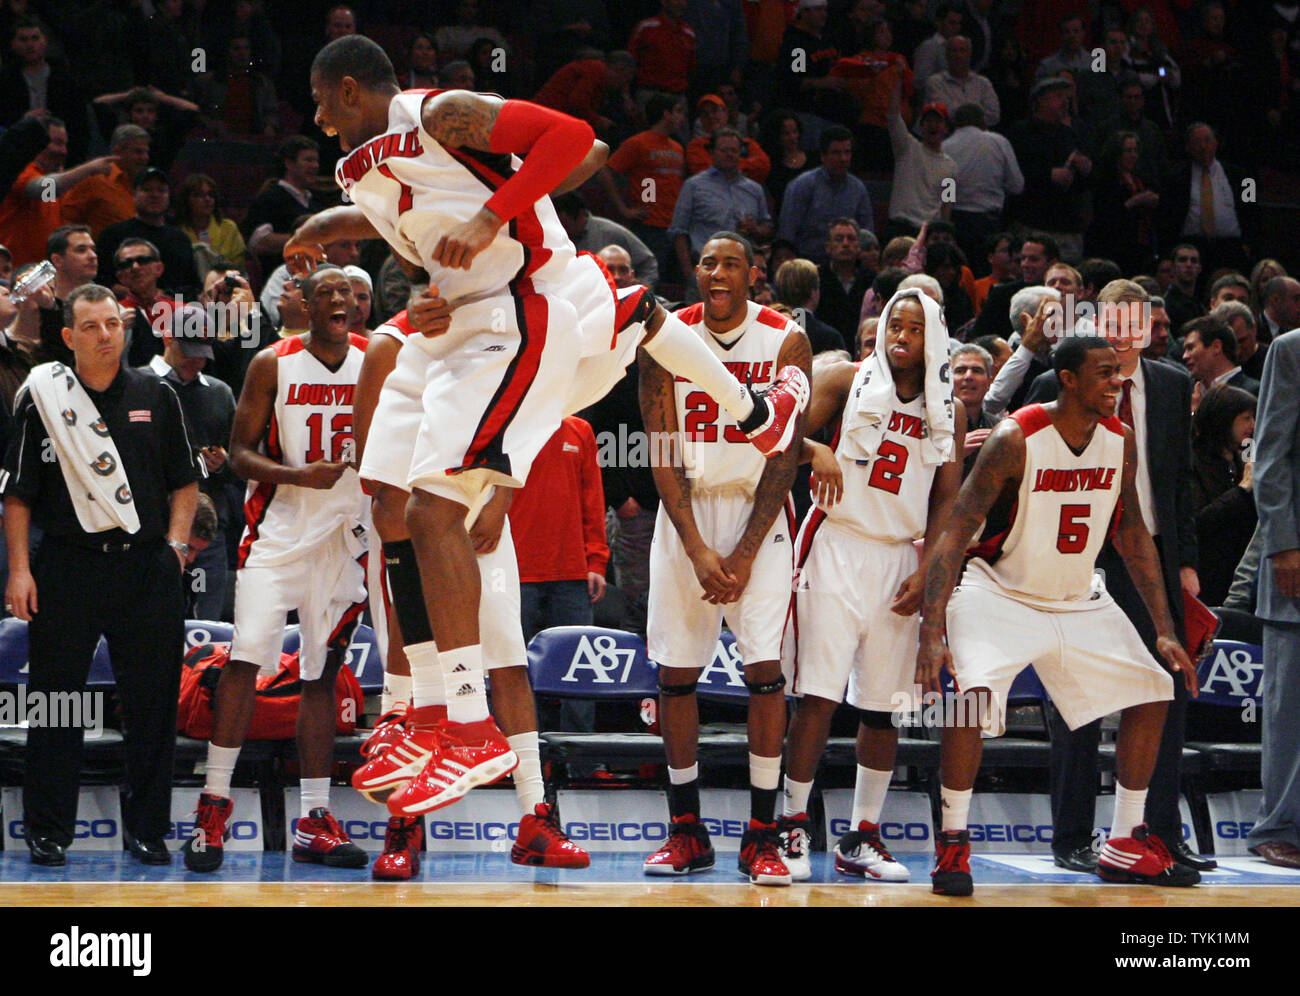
(340, 438)
(887, 471)
(1072, 535)
(702, 418)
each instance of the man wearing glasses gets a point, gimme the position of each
(138, 267)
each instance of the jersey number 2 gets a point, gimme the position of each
(887, 471)
(340, 438)
(1072, 534)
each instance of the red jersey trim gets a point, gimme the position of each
(1031, 419)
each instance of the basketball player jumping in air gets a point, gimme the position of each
(438, 176)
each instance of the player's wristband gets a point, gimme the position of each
(553, 143)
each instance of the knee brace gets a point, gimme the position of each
(406, 592)
(673, 691)
(874, 719)
(765, 687)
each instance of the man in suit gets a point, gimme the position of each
(1276, 835)
(1156, 403)
(1203, 202)
(1210, 352)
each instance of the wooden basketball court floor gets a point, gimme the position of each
(489, 879)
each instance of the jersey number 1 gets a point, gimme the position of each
(340, 439)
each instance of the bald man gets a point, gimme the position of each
(619, 264)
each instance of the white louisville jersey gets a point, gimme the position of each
(1044, 549)
(413, 189)
(887, 498)
(398, 327)
(311, 420)
(717, 454)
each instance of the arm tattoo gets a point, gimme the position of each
(461, 118)
(1001, 461)
(659, 413)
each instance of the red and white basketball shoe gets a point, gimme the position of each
(542, 842)
(469, 755)
(686, 850)
(389, 729)
(320, 839)
(1144, 859)
(393, 768)
(401, 857)
(862, 854)
(760, 855)
(784, 400)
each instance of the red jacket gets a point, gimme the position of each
(558, 519)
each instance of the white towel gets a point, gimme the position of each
(92, 468)
(873, 396)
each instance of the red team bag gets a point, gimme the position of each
(275, 715)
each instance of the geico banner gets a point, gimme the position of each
(1010, 823)
(1232, 816)
(245, 826)
(906, 824)
(638, 821)
(606, 821)
(485, 820)
(99, 818)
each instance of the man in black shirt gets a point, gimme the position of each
(272, 213)
(103, 578)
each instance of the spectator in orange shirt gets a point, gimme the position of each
(1000, 268)
(103, 200)
(652, 163)
(30, 211)
(712, 111)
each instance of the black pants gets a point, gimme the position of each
(134, 599)
(1074, 754)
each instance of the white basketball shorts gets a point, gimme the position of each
(842, 634)
(1091, 661)
(682, 628)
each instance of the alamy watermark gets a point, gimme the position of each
(24, 707)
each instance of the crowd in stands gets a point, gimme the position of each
(998, 152)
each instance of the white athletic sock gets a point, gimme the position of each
(1129, 806)
(530, 789)
(956, 807)
(796, 796)
(683, 776)
(427, 687)
(677, 349)
(462, 672)
(869, 790)
(397, 690)
(221, 768)
(314, 793)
